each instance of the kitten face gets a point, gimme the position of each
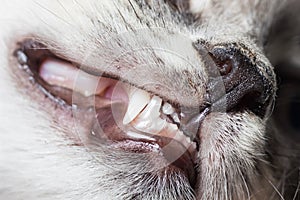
(140, 100)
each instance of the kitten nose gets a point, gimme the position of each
(241, 75)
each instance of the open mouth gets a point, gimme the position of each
(126, 117)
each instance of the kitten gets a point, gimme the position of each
(184, 108)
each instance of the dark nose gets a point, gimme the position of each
(237, 79)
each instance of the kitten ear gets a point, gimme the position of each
(283, 50)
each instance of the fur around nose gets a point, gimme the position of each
(235, 80)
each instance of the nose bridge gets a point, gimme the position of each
(238, 71)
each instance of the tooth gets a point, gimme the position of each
(193, 146)
(86, 84)
(149, 120)
(185, 141)
(58, 73)
(138, 99)
(172, 129)
(152, 111)
(168, 109)
(150, 126)
(188, 140)
(179, 136)
(63, 74)
(175, 117)
(22, 58)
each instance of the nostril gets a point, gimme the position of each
(239, 73)
(225, 65)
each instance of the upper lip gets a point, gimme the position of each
(190, 116)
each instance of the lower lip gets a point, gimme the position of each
(113, 135)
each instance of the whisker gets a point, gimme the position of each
(51, 12)
(297, 189)
(275, 189)
(244, 181)
(65, 9)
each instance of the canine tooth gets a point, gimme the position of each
(168, 109)
(149, 120)
(138, 99)
(152, 111)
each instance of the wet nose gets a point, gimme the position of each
(236, 79)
